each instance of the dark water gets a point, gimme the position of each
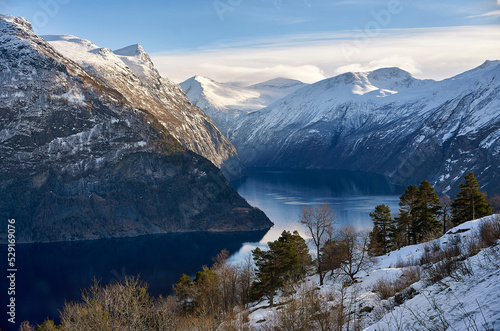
(47, 274)
(50, 273)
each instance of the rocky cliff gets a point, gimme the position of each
(82, 159)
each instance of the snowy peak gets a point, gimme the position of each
(138, 60)
(132, 50)
(76, 43)
(207, 93)
(386, 74)
(394, 78)
(487, 68)
(279, 83)
(8, 21)
(381, 82)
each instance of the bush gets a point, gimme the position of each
(489, 231)
(434, 253)
(388, 288)
(305, 310)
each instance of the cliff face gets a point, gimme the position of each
(81, 161)
(131, 72)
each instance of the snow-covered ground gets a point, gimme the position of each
(470, 303)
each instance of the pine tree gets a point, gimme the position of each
(470, 204)
(406, 220)
(287, 259)
(381, 238)
(427, 209)
(375, 246)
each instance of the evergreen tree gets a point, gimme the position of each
(375, 246)
(406, 220)
(470, 204)
(381, 238)
(427, 209)
(287, 259)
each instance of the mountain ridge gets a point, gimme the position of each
(80, 162)
(131, 72)
(383, 121)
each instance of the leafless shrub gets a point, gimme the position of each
(388, 287)
(116, 306)
(305, 310)
(385, 287)
(434, 253)
(441, 270)
(431, 235)
(489, 231)
(408, 262)
(486, 236)
(26, 326)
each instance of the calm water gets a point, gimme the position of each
(50, 273)
(281, 194)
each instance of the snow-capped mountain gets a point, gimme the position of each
(131, 72)
(224, 103)
(83, 158)
(387, 122)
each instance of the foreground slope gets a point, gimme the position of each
(386, 122)
(466, 298)
(80, 160)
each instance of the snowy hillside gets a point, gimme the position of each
(224, 103)
(466, 300)
(131, 72)
(387, 122)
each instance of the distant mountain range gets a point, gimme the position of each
(384, 121)
(224, 103)
(96, 144)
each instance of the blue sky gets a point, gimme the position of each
(248, 40)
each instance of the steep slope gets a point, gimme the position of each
(464, 299)
(225, 103)
(131, 72)
(385, 122)
(81, 161)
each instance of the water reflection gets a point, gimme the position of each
(281, 194)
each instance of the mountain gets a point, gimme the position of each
(131, 72)
(386, 122)
(225, 103)
(84, 158)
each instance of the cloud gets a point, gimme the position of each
(405, 63)
(436, 53)
(495, 13)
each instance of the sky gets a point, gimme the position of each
(250, 41)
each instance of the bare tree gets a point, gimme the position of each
(355, 251)
(495, 202)
(319, 222)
